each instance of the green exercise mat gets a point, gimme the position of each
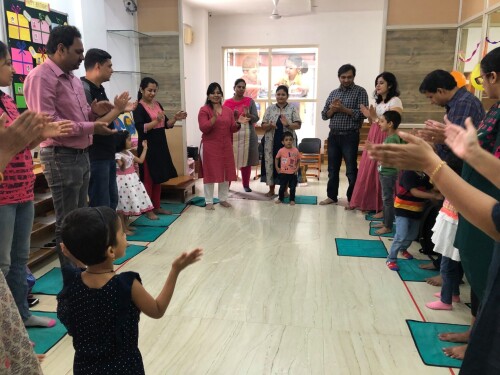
(146, 234)
(46, 338)
(130, 252)
(389, 235)
(369, 217)
(163, 221)
(303, 199)
(430, 348)
(50, 283)
(175, 208)
(409, 270)
(200, 201)
(360, 248)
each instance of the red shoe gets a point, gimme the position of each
(406, 255)
(393, 266)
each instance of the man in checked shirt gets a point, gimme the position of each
(342, 108)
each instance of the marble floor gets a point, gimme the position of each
(271, 296)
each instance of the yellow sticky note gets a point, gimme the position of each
(23, 21)
(11, 18)
(24, 34)
(13, 32)
(32, 51)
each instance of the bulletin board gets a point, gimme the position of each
(27, 25)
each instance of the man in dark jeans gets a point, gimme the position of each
(103, 190)
(342, 108)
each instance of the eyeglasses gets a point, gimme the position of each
(480, 80)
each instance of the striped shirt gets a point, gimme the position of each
(19, 179)
(406, 204)
(351, 97)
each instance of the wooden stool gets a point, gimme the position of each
(180, 186)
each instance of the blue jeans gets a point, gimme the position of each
(16, 222)
(342, 146)
(388, 184)
(67, 173)
(103, 190)
(406, 231)
(451, 274)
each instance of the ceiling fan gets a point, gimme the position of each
(275, 14)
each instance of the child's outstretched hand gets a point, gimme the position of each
(186, 259)
(145, 144)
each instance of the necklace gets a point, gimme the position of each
(100, 273)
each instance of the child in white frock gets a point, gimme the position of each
(133, 199)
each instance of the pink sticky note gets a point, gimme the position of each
(35, 24)
(45, 27)
(18, 67)
(27, 68)
(16, 54)
(45, 38)
(37, 37)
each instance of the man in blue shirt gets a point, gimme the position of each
(342, 108)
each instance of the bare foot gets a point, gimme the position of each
(327, 201)
(209, 207)
(161, 211)
(270, 193)
(383, 230)
(435, 281)
(455, 336)
(349, 208)
(457, 352)
(151, 215)
(277, 201)
(225, 204)
(378, 215)
(427, 266)
(378, 225)
(292, 203)
(40, 357)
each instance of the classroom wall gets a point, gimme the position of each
(342, 37)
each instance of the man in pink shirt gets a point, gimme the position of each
(53, 89)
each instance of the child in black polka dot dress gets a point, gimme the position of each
(100, 309)
(133, 200)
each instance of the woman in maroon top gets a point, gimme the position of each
(16, 199)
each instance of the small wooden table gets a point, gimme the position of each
(180, 186)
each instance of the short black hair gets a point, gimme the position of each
(345, 68)
(282, 87)
(95, 56)
(394, 117)
(88, 232)
(491, 62)
(287, 134)
(120, 140)
(3, 50)
(64, 35)
(238, 81)
(437, 79)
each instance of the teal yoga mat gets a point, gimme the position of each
(200, 201)
(50, 283)
(409, 270)
(146, 234)
(360, 248)
(303, 199)
(389, 235)
(175, 208)
(163, 221)
(46, 338)
(430, 348)
(369, 217)
(130, 252)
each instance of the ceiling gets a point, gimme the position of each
(285, 7)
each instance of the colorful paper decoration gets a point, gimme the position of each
(18, 25)
(22, 61)
(459, 78)
(476, 72)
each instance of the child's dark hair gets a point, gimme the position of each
(299, 63)
(394, 117)
(287, 134)
(88, 232)
(144, 83)
(121, 140)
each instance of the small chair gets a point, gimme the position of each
(310, 149)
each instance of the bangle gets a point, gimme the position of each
(436, 170)
(1, 176)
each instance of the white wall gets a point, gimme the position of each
(195, 69)
(342, 37)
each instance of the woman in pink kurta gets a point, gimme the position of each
(217, 124)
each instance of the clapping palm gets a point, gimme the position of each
(461, 141)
